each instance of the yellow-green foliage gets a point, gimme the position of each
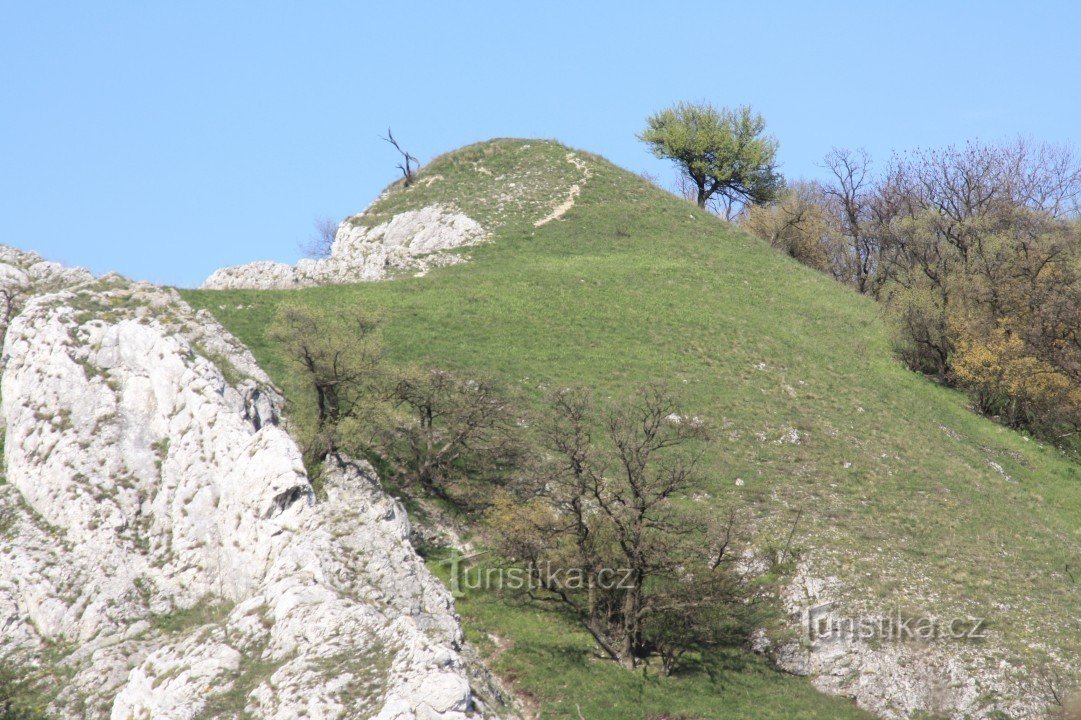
(795, 224)
(1010, 381)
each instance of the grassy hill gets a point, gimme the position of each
(908, 498)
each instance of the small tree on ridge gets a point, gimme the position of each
(724, 152)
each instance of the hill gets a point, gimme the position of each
(909, 503)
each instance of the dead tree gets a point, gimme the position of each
(320, 244)
(408, 160)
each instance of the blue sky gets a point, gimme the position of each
(166, 139)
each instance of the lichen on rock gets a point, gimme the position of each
(874, 657)
(162, 550)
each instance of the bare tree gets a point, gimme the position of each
(321, 242)
(12, 299)
(652, 178)
(850, 197)
(450, 432)
(645, 575)
(408, 160)
(975, 251)
(1046, 177)
(685, 188)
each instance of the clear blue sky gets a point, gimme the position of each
(165, 139)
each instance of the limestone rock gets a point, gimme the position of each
(23, 274)
(895, 674)
(160, 542)
(264, 274)
(414, 240)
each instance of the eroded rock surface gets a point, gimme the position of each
(899, 666)
(413, 240)
(160, 546)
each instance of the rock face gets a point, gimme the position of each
(160, 545)
(898, 667)
(22, 274)
(413, 240)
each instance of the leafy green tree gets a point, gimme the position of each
(338, 355)
(725, 153)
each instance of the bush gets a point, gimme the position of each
(449, 436)
(1010, 383)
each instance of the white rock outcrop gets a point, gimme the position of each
(23, 273)
(414, 240)
(160, 545)
(902, 667)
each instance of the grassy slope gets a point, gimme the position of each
(894, 474)
(552, 665)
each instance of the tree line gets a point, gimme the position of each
(975, 254)
(973, 251)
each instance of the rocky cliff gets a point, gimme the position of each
(907, 666)
(162, 554)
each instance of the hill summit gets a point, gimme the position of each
(456, 201)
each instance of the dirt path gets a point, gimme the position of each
(561, 209)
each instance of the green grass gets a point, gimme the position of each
(502, 184)
(552, 666)
(206, 611)
(253, 670)
(894, 473)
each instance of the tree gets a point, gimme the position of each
(975, 252)
(18, 699)
(605, 530)
(1010, 381)
(979, 233)
(851, 205)
(725, 153)
(406, 165)
(12, 299)
(321, 241)
(339, 357)
(449, 432)
(797, 224)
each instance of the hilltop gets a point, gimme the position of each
(582, 273)
(462, 199)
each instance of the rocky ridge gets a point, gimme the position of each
(414, 240)
(161, 550)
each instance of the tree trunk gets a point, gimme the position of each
(632, 633)
(703, 197)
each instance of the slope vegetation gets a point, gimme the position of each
(908, 502)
